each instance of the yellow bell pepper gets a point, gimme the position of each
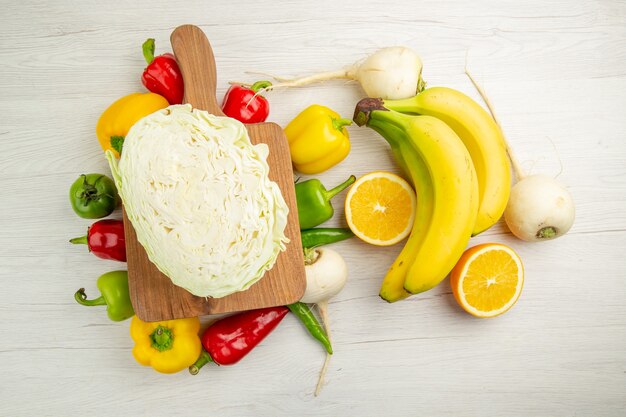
(318, 139)
(168, 346)
(117, 120)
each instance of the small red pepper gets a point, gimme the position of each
(162, 75)
(228, 340)
(105, 239)
(240, 103)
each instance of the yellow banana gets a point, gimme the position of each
(416, 170)
(482, 138)
(442, 172)
(456, 202)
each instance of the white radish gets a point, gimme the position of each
(389, 73)
(539, 208)
(326, 275)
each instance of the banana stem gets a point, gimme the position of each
(322, 307)
(517, 169)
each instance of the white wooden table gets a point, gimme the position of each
(556, 72)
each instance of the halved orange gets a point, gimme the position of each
(487, 280)
(380, 208)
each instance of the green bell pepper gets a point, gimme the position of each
(114, 289)
(94, 196)
(313, 199)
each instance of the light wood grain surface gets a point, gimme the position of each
(556, 72)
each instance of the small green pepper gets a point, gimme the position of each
(114, 289)
(314, 206)
(312, 238)
(94, 196)
(306, 316)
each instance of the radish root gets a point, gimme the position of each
(322, 307)
(556, 151)
(285, 82)
(517, 169)
(272, 76)
(348, 74)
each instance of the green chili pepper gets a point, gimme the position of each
(314, 206)
(306, 316)
(312, 238)
(114, 289)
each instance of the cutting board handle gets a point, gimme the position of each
(197, 63)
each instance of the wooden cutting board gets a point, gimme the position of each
(153, 295)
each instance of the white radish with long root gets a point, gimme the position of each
(539, 208)
(326, 275)
(390, 73)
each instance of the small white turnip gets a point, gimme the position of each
(539, 208)
(326, 275)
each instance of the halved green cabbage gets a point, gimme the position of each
(198, 195)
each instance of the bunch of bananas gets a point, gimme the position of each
(454, 154)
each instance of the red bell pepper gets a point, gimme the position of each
(105, 239)
(228, 340)
(241, 103)
(162, 75)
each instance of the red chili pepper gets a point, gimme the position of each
(162, 75)
(105, 239)
(228, 340)
(240, 104)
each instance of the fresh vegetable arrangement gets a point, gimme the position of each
(173, 345)
(454, 157)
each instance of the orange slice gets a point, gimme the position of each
(380, 208)
(487, 280)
